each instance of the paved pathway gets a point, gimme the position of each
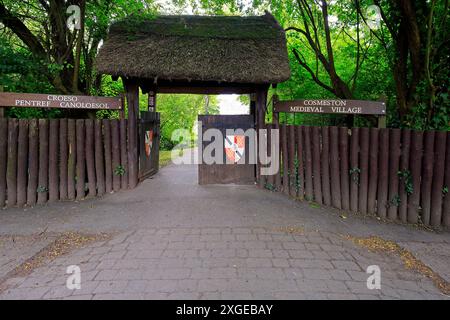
(171, 238)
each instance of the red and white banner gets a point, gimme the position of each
(148, 142)
(235, 147)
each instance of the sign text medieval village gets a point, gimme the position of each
(332, 106)
(32, 100)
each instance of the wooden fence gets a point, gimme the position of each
(395, 174)
(45, 160)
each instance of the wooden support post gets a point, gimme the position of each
(63, 159)
(81, 159)
(53, 172)
(415, 166)
(3, 159)
(2, 110)
(122, 110)
(253, 104)
(33, 162)
(108, 156)
(152, 100)
(123, 152)
(364, 169)
(394, 165)
(373, 171)
(11, 171)
(345, 176)
(99, 158)
(382, 119)
(438, 179)
(71, 158)
(90, 158)
(275, 121)
(261, 101)
(132, 92)
(22, 163)
(42, 189)
(325, 161)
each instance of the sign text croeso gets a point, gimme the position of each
(34, 100)
(332, 106)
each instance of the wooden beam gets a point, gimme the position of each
(198, 87)
(207, 90)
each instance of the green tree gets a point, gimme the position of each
(64, 55)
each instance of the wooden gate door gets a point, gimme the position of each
(148, 144)
(235, 147)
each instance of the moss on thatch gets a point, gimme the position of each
(197, 48)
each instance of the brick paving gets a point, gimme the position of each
(174, 239)
(223, 263)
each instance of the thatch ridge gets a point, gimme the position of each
(200, 48)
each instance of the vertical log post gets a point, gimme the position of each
(99, 159)
(415, 164)
(3, 159)
(438, 179)
(53, 185)
(285, 158)
(394, 159)
(22, 163)
(11, 171)
(261, 101)
(63, 159)
(123, 152)
(42, 189)
(404, 174)
(271, 178)
(343, 152)
(373, 171)
(316, 165)
(308, 164)
(115, 143)
(132, 93)
(300, 164)
(354, 170)
(383, 181)
(334, 166)
(427, 176)
(326, 166)
(2, 110)
(90, 158)
(71, 159)
(108, 156)
(276, 122)
(33, 162)
(364, 167)
(81, 159)
(446, 206)
(292, 173)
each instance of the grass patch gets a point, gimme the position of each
(164, 158)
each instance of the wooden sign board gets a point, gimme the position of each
(34, 100)
(355, 107)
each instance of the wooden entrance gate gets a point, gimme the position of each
(235, 147)
(148, 144)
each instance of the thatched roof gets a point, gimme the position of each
(197, 48)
